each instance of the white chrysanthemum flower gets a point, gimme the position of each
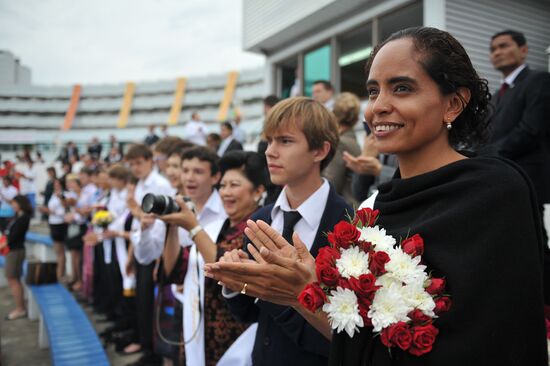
(405, 268)
(386, 281)
(353, 262)
(343, 311)
(388, 307)
(418, 298)
(377, 236)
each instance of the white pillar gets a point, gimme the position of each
(434, 14)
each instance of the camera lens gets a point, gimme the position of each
(159, 204)
(148, 203)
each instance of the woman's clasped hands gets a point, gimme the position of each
(277, 273)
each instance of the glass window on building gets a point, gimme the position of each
(355, 48)
(409, 16)
(316, 67)
(289, 79)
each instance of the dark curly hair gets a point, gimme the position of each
(447, 63)
(251, 163)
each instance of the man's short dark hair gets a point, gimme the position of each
(137, 151)
(167, 144)
(518, 37)
(228, 125)
(88, 171)
(326, 84)
(180, 147)
(203, 154)
(271, 100)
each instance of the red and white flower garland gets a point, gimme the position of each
(366, 280)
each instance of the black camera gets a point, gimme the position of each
(163, 205)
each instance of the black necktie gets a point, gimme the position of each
(290, 220)
(503, 89)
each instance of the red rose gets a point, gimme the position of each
(398, 334)
(327, 255)
(418, 317)
(344, 235)
(364, 307)
(312, 297)
(423, 339)
(365, 246)
(327, 274)
(378, 262)
(364, 286)
(436, 287)
(366, 217)
(442, 304)
(414, 245)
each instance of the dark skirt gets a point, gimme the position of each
(58, 232)
(75, 242)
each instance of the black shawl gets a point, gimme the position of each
(481, 229)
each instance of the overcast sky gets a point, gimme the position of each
(111, 41)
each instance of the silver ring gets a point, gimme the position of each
(243, 291)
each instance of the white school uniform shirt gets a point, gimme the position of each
(57, 210)
(27, 185)
(212, 211)
(116, 205)
(148, 243)
(7, 194)
(238, 133)
(196, 132)
(88, 196)
(311, 210)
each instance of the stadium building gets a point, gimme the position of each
(310, 40)
(303, 41)
(46, 117)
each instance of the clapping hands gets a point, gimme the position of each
(278, 272)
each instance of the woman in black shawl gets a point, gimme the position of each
(478, 215)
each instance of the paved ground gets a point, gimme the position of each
(19, 339)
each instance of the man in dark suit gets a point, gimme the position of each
(229, 142)
(307, 205)
(521, 120)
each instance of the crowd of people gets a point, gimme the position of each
(161, 224)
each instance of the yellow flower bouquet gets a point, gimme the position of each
(102, 218)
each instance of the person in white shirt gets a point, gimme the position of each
(81, 199)
(302, 137)
(199, 176)
(196, 130)
(241, 188)
(111, 254)
(7, 193)
(27, 182)
(56, 211)
(238, 132)
(323, 92)
(146, 232)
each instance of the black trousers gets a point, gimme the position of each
(145, 297)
